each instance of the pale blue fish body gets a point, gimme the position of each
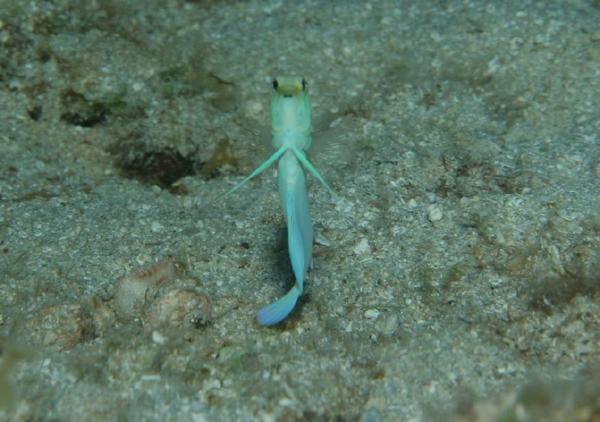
(294, 202)
(291, 128)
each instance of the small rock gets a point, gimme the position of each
(156, 227)
(133, 290)
(178, 308)
(388, 324)
(362, 247)
(158, 338)
(372, 314)
(62, 325)
(434, 213)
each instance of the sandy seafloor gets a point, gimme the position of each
(456, 277)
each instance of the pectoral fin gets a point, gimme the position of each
(308, 166)
(259, 170)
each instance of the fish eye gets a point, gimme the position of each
(275, 84)
(304, 84)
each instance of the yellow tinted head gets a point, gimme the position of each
(289, 86)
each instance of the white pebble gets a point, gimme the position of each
(434, 213)
(362, 247)
(372, 313)
(255, 107)
(156, 227)
(158, 338)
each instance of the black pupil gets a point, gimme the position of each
(275, 84)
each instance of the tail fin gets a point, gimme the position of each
(277, 311)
